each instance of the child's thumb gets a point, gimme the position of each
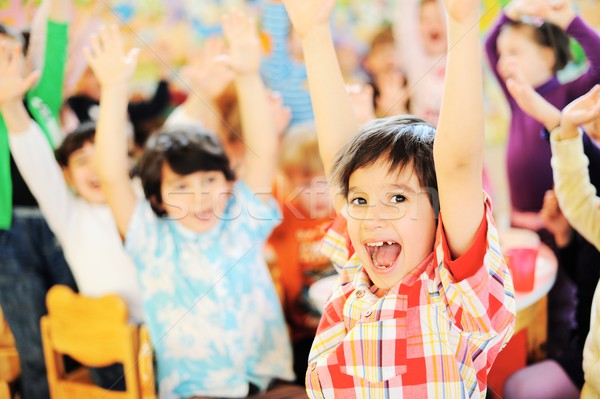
(132, 56)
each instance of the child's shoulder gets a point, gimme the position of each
(483, 253)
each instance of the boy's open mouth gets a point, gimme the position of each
(384, 254)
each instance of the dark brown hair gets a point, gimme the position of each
(399, 140)
(85, 133)
(186, 149)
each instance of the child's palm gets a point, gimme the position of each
(211, 74)
(244, 44)
(108, 59)
(583, 110)
(307, 14)
(12, 84)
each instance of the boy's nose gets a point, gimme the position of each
(375, 217)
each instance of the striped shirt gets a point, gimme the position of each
(435, 334)
(280, 72)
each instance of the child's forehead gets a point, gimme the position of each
(381, 173)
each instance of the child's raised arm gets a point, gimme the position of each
(113, 68)
(576, 195)
(458, 146)
(530, 100)
(334, 116)
(259, 127)
(206, 78)
(13, 87)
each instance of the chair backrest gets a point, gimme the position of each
(9, 359)
(96, 333)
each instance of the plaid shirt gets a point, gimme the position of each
(435, 334)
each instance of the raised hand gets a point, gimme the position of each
(306, 15)
(13, 85)
(244, 44)
(281, 114)
(107, 57)
(535, 10)
(561, 13)
(554, 220)
(528, 99)
(361, 96)
(463, 10)
(393, 94)
(583, 110)
(210, 73)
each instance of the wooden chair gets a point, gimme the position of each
(9, 360)
(96, 333)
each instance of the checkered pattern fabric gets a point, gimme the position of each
(434, 335)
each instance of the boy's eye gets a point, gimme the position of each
(359, 201)
(398, 198)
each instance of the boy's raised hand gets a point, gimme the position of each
(581, 111)
(13, 85)
(107, 57)
(308, 14)
(244, 45)
(463, 10)
(529, 100)
(211, 73)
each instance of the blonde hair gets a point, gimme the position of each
(300, 150)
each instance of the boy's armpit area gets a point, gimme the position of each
(471, 261)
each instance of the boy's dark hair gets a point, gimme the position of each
(186, 149)
(551, 36)
(74, 141)
(399, 140)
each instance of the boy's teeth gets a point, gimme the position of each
(375, 244)
(389, 243)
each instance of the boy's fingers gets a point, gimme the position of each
(87, 54)
(105, 39)
(95, 46)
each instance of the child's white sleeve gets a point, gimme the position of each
(35, 160)
(576, 195)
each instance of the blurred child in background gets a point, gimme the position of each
(303, 196)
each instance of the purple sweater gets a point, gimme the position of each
(528, 154)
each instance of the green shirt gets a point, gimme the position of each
(43, 102)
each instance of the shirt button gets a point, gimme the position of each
(367, 313)
(360, 293)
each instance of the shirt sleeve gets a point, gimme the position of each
(336, 245)
(590, 42)
(142, 238)
(43, 176)
(477, 286)
(491, 51)
(50, 85)
(246, 211)
(276, 24)
(576, 195)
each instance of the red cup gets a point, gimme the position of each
(521, 262)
